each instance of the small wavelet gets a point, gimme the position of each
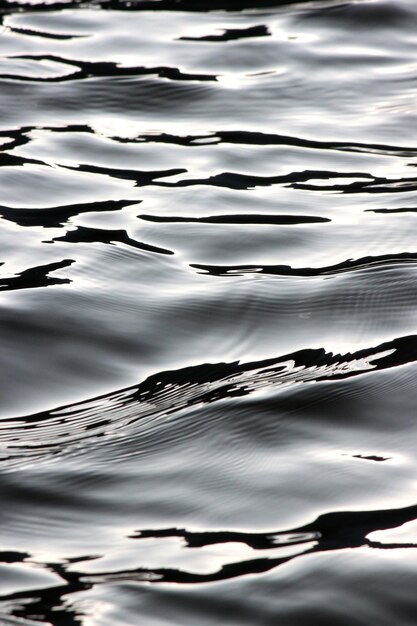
(169, 392)
(53, 217)
(350, 265)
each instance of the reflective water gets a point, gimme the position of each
(208, 335)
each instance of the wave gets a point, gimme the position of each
(54, 217)
(49, 433)
(328, 533)
(246, 137)
(364, 263)
(235, 180)
(20, 137)
(91, 69)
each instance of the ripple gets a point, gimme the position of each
(234, 180)
(209, 408)
(330, 532)
(53, 217)
(167, 393)
(89, 69)
(270, 139)
(366, 263)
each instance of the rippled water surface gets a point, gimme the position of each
(208, 344)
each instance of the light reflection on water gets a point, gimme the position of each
(207, 312)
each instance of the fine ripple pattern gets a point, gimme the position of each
(208, 342)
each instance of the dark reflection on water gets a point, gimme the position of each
(285, 270)
(170, 392)
(208, 336)
(56, 216)
(36, 277)
(330, 532)
(89, 235)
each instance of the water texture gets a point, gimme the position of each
(208, 344)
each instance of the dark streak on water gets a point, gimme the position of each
(208, 323)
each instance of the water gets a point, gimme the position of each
(208, 327)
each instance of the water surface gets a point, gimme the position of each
(208, 338)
